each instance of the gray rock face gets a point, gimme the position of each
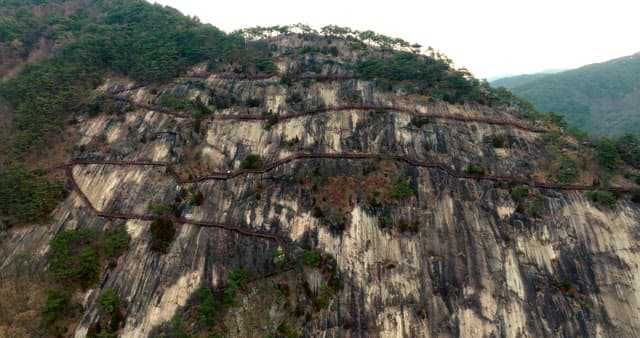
(455, 258)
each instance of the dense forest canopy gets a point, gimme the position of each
(148, 43)
(603, 98)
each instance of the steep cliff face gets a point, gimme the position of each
(410, 205)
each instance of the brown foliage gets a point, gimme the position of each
(162, 233)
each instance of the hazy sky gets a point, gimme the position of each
(489, 37)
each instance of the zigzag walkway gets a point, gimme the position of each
(278, 118)
(127, 216)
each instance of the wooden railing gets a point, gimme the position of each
(282, 117)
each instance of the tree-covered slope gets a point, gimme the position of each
(79, 43)
(603, 98)
(83, 42)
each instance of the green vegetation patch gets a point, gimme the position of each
(58, 304)
(401, 190)
(76, 260)
(111, 315)
(26, 196)
(196, 197)
(607, 154)
(519, 192)
(177, 327)
(116, 241)
(287, 331)
(165, 209)
(310, 257)
(475, 169)
(568, 169)
(527, 202)
(324, 295)
(566, 287)
(162, 233)
(628, 147)
(278, 256)
(208, 306)
(74, 257)
(253, 161)
(434, 76)
(180, 102)
(236, 278)
(601, 197)
(174, 101)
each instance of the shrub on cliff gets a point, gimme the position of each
(607, 154)
(310, 257)
(116, 241)
(162, 234)
(252, 161)
(26, 196)
(474, 169)
(111, 316)
(601, 197)
(208, 306)
(236, 277)
(401, 190)
(74, 257)
(568, 169)
(57, 305)
(519, 192)
(499, 141)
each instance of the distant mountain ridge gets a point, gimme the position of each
(601, 98)
(518, 80)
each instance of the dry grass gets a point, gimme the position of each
(21, 304)
(340, 192)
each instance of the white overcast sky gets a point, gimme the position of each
(489, 37)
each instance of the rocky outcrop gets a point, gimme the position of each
(456, 256)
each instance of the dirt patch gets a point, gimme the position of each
(21, 304)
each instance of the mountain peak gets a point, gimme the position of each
(163, 178)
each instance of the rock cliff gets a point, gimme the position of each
(427, 218)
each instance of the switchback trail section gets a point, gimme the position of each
(225, 226)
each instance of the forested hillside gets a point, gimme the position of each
(78, 43)
(602, 99)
